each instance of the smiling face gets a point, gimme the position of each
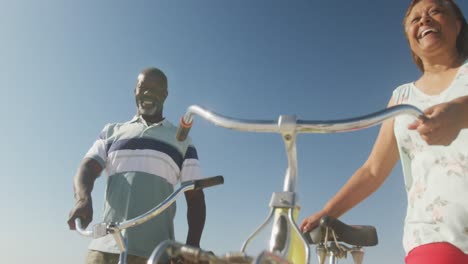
(150, 94)
(432, 26)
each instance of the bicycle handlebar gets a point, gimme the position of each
(82, 231)
(302, 126)
(288, 126)
(102, 229)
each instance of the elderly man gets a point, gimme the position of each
(143, 162)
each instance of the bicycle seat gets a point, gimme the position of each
(357, 235)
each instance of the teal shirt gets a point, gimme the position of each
(143, 164)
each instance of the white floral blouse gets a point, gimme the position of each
(436, 177)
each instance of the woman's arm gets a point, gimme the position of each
(366, 180)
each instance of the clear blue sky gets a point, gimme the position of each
(69, 67)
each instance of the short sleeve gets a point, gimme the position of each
(98, 151)
(190, 167)
(401, 94)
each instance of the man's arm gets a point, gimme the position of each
(196, 214)
(83, 184)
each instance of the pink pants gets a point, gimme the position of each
(436, 253)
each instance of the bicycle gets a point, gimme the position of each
(115, 229)
(333, 238)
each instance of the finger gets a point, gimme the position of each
(71, 224)
(422, 119)
(304, 228)
(429, 111)
(86, 221)
(84, 218)
(71, 219)
(303, 224)
(415, 124)
(424, 129)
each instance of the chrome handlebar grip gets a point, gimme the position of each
(81, 230)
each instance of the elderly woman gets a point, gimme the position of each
(433, 149)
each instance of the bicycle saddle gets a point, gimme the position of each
(357, 235)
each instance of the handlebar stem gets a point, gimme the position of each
(287, 127)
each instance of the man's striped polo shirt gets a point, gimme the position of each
(143, 163)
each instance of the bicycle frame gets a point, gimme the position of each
(103, 229)
(286, 239)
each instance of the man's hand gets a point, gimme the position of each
(84, 210)
(441, 125)
(83, 184)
